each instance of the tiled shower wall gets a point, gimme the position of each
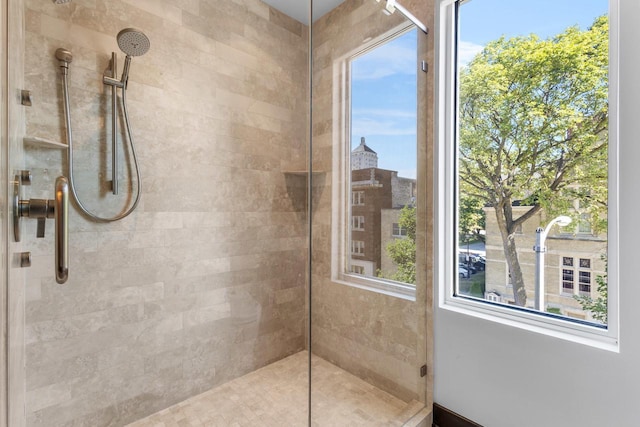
(205, 281)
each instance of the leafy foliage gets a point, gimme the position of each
(598, 306)
(403, 251)
(533, 127)
(472, 218)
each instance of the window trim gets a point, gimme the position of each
(341, 191)
(445, 221)
(359, 221)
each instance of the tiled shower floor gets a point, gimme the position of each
(276, 395)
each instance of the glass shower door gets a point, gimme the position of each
(370, 269)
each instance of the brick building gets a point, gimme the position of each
(373, 190)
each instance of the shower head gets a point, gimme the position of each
(133, 42)
(65, 57)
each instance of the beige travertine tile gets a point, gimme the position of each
(277, 395)
(205, 281)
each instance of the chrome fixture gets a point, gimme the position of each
(391, 6)
(41, 210)
(132, 42)
(61, 1)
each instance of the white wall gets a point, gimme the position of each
(502, 376)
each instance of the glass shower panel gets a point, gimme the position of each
(370, 274)
(199, 297)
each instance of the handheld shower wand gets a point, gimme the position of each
(132, 42)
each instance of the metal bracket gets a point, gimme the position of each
(25, 98)
(423, 370)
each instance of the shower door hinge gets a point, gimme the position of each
(423, 370)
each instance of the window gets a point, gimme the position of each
(584, 224)
(504, 137)
(357, 198)
(493, 297)
(357, 247)
(357, 269)
(572, 268)
(585, 283)
(567, 281)
(377, 171)
(398, 231)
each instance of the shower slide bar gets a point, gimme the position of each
(133, 42)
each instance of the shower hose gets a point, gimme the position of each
(67, 110)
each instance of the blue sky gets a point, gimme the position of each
(384, 80)
(484, 20)
(383, 107)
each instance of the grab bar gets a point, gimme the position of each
(61, 209)
(41, 210)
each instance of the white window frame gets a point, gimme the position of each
(357, 222)
(342, 193)
(357, 198)
(446, 203)
(400, 230)
(357, 247)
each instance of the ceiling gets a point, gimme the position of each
(299, 9)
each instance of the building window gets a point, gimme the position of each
(398, 231)
(584, 224)
(567, 281)
(585, 283)
(357, 222)
(493, 297)
(357, 198)
(580, 269)
(496, 177)
(357, 247)
(357, 269)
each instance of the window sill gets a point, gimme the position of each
(552, 325)
(385, 287)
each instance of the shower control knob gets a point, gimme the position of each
(40, 209)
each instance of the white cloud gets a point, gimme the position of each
(373, 126)
(380, 112)
(386, 60)
(407, 173)
(467, 51)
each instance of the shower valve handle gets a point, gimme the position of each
(39, 209)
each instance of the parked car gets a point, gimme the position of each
(470, 268)
(463, 272)
(480, 265)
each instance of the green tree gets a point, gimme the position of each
(533, 117)
(403, 251)
(472, 218)
(598, 306)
